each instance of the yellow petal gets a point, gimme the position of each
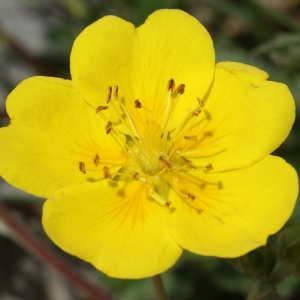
(235, 211)
(244, 119)
(52, 130)
(114, 226)
(171, 44)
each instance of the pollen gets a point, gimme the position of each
(108, 127)
(171, 85)
(201, 102)
(209, 167)
(116, 93)
(192, 138)
(109, 94)
(82, 167)
(137, 104)
(196, 113)
(100, 108)
(181, 89)
(96, 160)
(106, 173)
(191, 197)
(168, 204)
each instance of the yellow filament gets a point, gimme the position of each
(131, 133)
(129, 120)
(158, 198)
(167, 108)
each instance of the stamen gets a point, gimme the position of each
(106, 173)
(165, 162)
(189, 116)
(188, 168)
(100, 108)
(196, 113)
(168, 204)
(122, 121)
(116, 93)
(96, 160)
(191, 197)
(135, 176)
(137, 103)
(192, 138)
(109, 94)
(171, 85)
(201, 102)
(183, 195)
(170, 88)
(131, 128)
(192, 112)
(159, 199)
(129, 120)
(209, 167)
(194, 153)
(181, 89)
(200, 182)
(117, 136)
(82, 167)
(108, 127)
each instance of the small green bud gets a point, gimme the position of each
(258, 263)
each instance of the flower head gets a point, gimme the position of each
(152, 148)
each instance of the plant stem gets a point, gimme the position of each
(159, 288)
(41, 251)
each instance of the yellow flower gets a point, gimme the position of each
(152, 148)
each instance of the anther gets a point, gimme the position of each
(209, 167)
(165, 162)
(191, 197)
(82, 167)
(192, 138)
(108, 127)
(96, 160)
(181, 89)
(137, 103)
(116, 92)
(171, 85)
(196, 113)
(168, 204)
(106, 173)
(109, 94)
(135, 176)
(201, 102)
(100, 108)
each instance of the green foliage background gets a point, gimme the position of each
(263, 33)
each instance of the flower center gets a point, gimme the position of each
(153, 157)
(147, 151)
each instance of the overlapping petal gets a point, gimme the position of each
(245, 118)
(53, 129)
(235, 211)
(171, 44)
(113, 225)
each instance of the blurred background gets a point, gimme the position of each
(36, 37)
